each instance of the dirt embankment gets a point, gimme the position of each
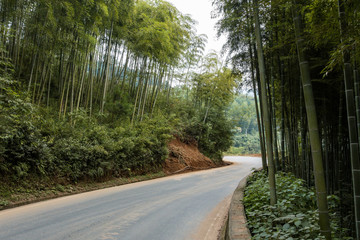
(185, 157)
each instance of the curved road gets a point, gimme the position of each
(184, 206)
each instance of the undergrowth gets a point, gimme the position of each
(294, 216)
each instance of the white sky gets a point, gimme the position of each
(200, 10)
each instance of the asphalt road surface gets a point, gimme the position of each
(185, 206)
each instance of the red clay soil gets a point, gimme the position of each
(185, 157)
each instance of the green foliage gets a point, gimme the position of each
(22, 148)
(242, 113)
(293, 217)
(213, 136)
(34, 143)
(74, 58)
(245, 143)
(118, 107)
(204, 117)
(95, 151)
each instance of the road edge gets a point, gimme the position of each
(236, 224)
(94, 186)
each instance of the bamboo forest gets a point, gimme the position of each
(92, 90)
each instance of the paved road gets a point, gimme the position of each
(169, 208)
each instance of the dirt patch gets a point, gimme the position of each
(185, 157)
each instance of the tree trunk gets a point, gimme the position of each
(106, 71)
(357, 98)
(324, 220)
(82, 81)
(262, 147)
(276, 155)
(351, 116)
(261, 124)
(265, 108)
(282, 117)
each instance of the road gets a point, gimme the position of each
(185, 206)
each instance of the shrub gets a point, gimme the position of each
(245, 144)
(22, 148)
(33, 141)
(294, 216)
(214, 136)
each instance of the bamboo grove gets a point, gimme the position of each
(91, 90)
(301, 59)
(76, 52)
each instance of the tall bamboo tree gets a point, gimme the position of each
(351, 117)
(265, 109)
(324, 220)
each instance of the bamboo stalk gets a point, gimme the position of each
(351, 116)
(324, 220)
(265, 109)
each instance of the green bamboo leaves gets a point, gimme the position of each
(78, 53)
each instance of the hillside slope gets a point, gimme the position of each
(185, 157)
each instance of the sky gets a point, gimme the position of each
(200, 10)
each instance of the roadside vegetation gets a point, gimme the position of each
(295, 214)
(301, 58)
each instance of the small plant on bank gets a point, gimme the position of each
(293, 217)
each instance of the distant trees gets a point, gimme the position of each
(316, 50)
(246, 136)
(242, 112)
(213, 89)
